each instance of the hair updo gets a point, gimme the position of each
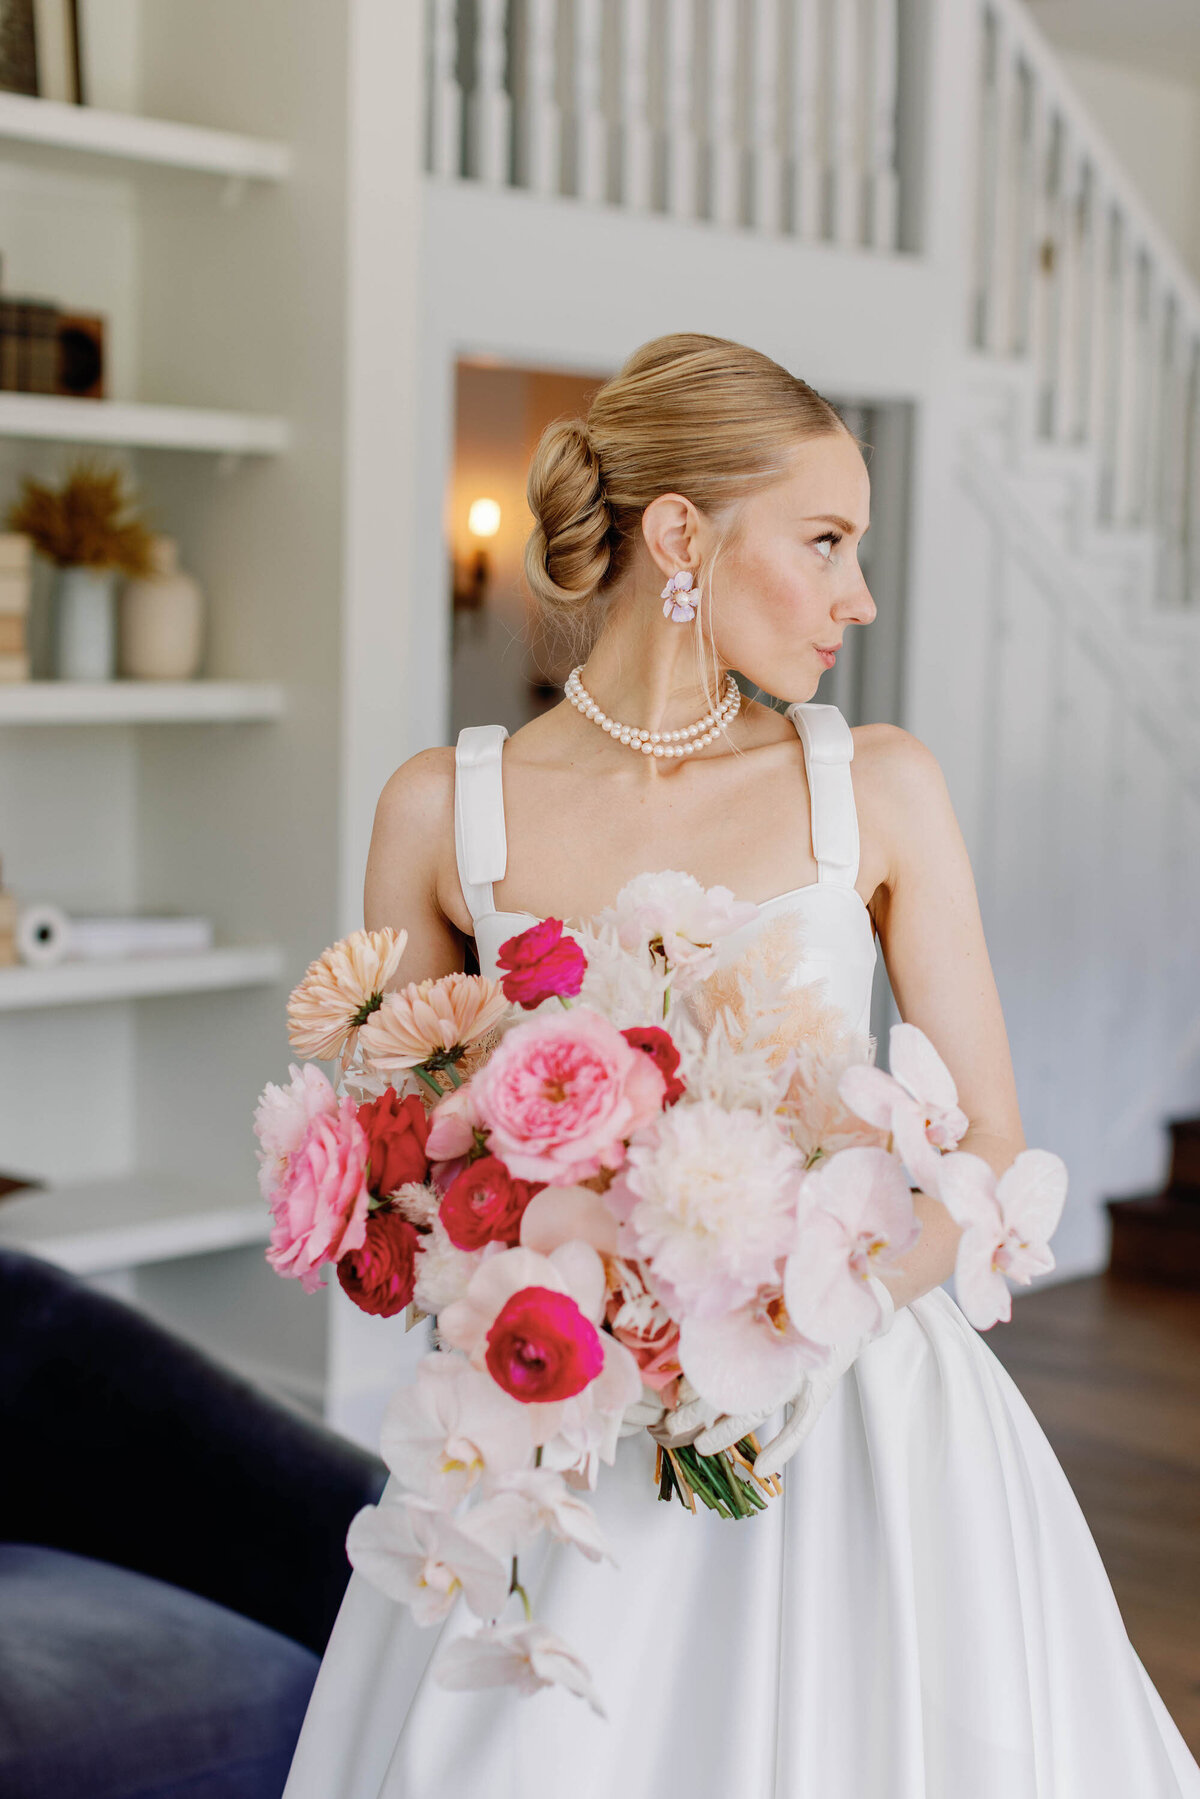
(689, 414)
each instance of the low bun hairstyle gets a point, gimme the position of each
(689, 414)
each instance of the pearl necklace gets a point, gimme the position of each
(658, 743)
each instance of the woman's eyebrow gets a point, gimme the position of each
(831, 518)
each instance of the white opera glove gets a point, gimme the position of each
(684, 1423)
(818, 1387)
(645, 1412)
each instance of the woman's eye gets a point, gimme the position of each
(825, 544)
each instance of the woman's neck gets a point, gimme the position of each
(645, 671)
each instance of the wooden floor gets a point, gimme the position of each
(1112, 1372)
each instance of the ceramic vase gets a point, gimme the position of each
(85, 636)
(162, 621)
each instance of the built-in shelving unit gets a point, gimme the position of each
(126, 1221)
(139, 702)
(79, 983)
(185, 252)
(51, 419)
(91, 132)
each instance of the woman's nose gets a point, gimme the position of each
(856, 606)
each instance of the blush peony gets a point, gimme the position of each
(396, 1131)
(321, 1204)
(541, 1348)
(484, 1204)
(283, 1116)
(541, 963)
(561, 1095)
(379, 1275)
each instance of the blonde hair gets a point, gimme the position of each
(689, 414)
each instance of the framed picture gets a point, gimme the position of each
(56, 36)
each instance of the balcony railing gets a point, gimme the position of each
(775, 115)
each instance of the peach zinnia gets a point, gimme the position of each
(430, 1020)
(341, 990)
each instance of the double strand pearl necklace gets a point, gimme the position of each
(658, 743)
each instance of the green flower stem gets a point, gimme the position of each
(456, 1079)
(427, 1080)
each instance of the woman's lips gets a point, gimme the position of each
(828, 657)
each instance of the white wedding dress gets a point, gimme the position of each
(922, 1615)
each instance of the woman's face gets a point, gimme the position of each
(788, 583)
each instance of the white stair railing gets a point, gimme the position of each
(1074, 278)
(779, 116)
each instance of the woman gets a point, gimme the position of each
(923, 1615)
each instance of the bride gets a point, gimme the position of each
(924, 1614)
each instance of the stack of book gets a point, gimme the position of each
(44, 350)
(16, 580)
(109, 937)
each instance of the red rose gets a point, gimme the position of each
(541, 963)
(396, 1131)
(484, 1204)
(380, 1276)
(658, 1045)
(541, 1347)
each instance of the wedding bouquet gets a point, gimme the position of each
(636, 1188)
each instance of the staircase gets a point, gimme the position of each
(1079, 458)
(1156, 1236)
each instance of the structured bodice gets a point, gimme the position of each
(833, 938)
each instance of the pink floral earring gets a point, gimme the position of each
(679, 600)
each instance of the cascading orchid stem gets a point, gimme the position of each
(516, 1587)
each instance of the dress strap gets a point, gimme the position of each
(828, 753)
(480, 844)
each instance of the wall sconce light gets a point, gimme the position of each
(471, 583)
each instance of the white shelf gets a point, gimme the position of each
(56, 420)
(92, 1227)
(137, 702)
(89, 131)
(80, 983)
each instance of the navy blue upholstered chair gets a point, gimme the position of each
(172, 1556)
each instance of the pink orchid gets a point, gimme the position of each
(525, 1656)
(559, 1215)
(917, 1102)
(562, 1094)
(424, 1558)
(1007, 1226)
(751, 1360)
(533, 1500)
(859, 1218)
(452, 1426)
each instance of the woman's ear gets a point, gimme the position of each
(670, 527)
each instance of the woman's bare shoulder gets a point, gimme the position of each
(413, 835)
(901, 795)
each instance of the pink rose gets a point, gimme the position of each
(453, 1125)
(541, 1347)
(321, 1204)
(542, 964)
(561, 1095)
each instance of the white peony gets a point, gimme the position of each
(715, 1197)
(678, 922)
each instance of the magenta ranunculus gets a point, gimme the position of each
(562, 1095)
(659, 1045)
(542, 964)
(541, 1347)
(321, 1204)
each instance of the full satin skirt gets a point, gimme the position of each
(922, 1615)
